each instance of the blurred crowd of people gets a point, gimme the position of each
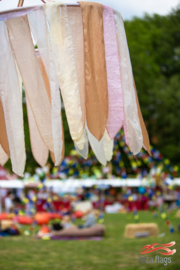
(32, 200)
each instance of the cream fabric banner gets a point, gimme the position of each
(38, 25)
(11, 102)
(64, 56)
(23, 48)
(39, 150)
(76, 26)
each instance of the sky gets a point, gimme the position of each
(128, 8)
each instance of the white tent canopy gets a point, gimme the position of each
(70, 185)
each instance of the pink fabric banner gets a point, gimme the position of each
(115, 113)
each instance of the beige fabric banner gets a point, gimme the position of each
(143, 127)
(3, 157)
(76, 24)
(46, 80)
(39, 150)
(95, 69)
(3, 134)
(11, 103)
(23, 48)
(64, 57)
(39, 28)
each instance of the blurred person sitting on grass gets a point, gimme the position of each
(90, 218)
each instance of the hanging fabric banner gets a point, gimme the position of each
(115, 114)
(3, 157)
(11, 103)
(38, 25)
(146, 143)
(46, 80)
(39, 150)
(14, 13)
(64, 57)
(21, 41)
(3, 134)
(133, 129)
(95, 69)
(76, 25)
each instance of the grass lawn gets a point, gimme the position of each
(113, 252)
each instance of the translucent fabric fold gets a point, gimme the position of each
(76, 26)
(3, 157)
(83, 152)
(116, 108)
(39, 150)
(64, 57)
(23, 48)
(108, 145)
(146, 143)
(14, 13)
(11, 103)
(3, 134)
(95, 69)
(133, 131)
(102, 149)
(38, 25)
(97, 147)
(46, 80)
(63, 147)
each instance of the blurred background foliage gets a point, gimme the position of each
(154, 44)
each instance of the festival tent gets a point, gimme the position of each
(70, 186)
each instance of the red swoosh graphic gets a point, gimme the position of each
(152, 248)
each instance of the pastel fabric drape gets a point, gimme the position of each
(14, 13)
(3, 134)
(95, 69)
(11, 102)
(108, 145)
(97, 147)
(23, 48)
(102, 149)
(116, 108)
(132, 129)
(76, 26)
(146, 143)
(3, 157)
(63, 147)
(64, 57)
(46, 80)
(39, 150)
(38, 25)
